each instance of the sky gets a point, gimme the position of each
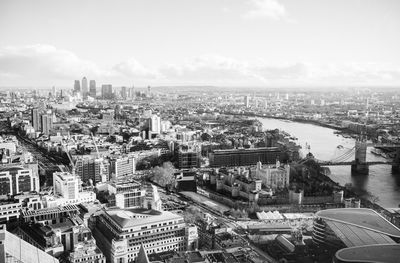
(264, 43)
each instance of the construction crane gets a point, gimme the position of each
(95, 145)
(69, 157)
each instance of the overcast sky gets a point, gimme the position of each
(200, 42)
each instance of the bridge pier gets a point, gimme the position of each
(396, 161)
(360, 166)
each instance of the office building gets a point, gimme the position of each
(92, 169)
(92, 89)
(128, 193)
(66, 185)
(121, 233)
(122, 166)
(188, 156)
(243, 157)
(14, 249)
(124, 93)
(77, 86)
(84, 87)
(47, 123)
(247, 101)
(36, 119)
(154, 123)
(17, 179)
(10, 209)
(107, 91)
(67, 190)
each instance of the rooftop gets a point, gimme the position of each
(138, 216)
(362, 218)
(370, 254)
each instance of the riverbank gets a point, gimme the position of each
(300, 120)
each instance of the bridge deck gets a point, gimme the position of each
(350, 163)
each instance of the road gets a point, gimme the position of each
(47, 164)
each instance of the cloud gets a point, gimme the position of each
(45, 61)
(48, 63)
(25, 65)
(132, 68)
(270, 9)
(209, 69)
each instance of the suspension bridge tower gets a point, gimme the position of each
(360, 165)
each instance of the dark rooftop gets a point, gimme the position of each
(361, 217)
(369, 254)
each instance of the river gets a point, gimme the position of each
(380, 182)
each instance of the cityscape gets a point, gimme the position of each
(213, 159)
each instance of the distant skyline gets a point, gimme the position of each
(200, 42)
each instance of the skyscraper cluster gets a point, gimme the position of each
(84, 89)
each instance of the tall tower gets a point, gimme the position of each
(148, 91)
(246, 101)
(77, 86)
(35, 115)
(92, 89)
(84, 87)
(47, 123)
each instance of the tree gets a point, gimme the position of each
(205, 137)
(164, 175)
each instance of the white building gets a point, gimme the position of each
(121, 233)
(122, 166)
(66, 185)
(154, 124)
(67, 191)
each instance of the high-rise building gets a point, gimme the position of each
(247, 101)
(92, 88)
(106, 91)
(53, 92)
(154, 124)
(77, 86)
(124, 93)
(148, 91)
(84, 87)
(35, 116)
(122, 166)
(66, 185)
(132, 92)
(47, 123)
(94, 169)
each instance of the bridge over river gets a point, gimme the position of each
(360, 165)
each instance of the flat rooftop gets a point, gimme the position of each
(362, 218)
(369, 254)
(260, 149)
(136, 217)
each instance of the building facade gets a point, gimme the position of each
(243, 157)
(17, 179)
(121, 233)
(92, 89)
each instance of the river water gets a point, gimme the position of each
(380, 182)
